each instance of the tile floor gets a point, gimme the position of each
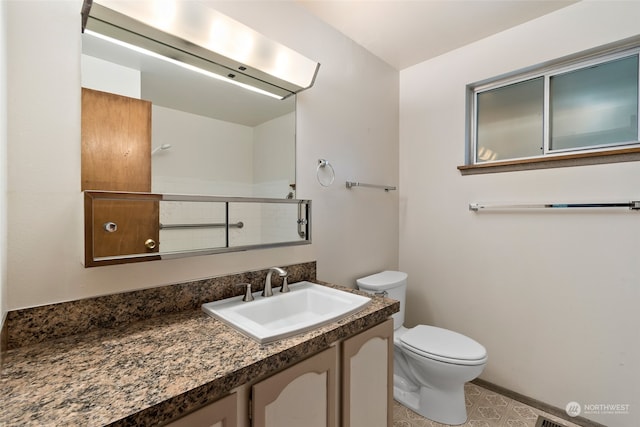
(485, 408)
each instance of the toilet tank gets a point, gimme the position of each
(394, 283)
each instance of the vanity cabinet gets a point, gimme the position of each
(350, 384)
(302, 395)
(367, 378)
(221, 413)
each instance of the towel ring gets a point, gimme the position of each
(322, 163)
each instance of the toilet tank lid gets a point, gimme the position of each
(383, 280)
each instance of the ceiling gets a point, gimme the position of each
(400, 32)
(406, 32)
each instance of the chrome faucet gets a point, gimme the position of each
(268, 292)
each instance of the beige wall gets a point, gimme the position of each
(552, 295)
(3, 165)
(349, 117)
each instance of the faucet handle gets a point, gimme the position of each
(285, 285)
(248, 296)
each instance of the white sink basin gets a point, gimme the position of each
(307, 306)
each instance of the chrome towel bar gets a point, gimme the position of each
(238, 224)
(632, 205)
(362, 184)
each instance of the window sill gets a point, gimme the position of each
(578, 159)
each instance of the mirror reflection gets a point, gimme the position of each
(132, 227)
(208, 137)
(188, 225)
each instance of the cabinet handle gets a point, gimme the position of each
(150, 243)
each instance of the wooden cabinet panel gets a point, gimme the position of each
(137, 221)
(116, 142)
(302, 395)
(134, 220)
(367, 378)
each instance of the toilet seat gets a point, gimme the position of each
(443, 345)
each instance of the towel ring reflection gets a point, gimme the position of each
(322, 163)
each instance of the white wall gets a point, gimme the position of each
(106, 76)
(349, 117)
(210, 156)
(274, 157)
(3, 164)
(552, 295)
(202, 156)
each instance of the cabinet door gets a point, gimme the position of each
(302, 395)
(367, 378)
(221, 413)
(121, 227)
(116, 142)
(137, 221)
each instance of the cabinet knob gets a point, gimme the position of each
(110, 227)
(150, 243)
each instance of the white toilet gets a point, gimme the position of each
(431, 364)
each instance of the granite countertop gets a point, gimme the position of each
(151, 371)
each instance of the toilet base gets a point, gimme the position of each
(445, 407)
(410, 399)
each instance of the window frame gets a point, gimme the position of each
(547, 71)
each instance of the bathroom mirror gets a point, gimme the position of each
(162, 115)
(132, 227)
(208, 137)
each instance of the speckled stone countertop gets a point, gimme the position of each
(151, 371)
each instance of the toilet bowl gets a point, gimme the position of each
(431, 365)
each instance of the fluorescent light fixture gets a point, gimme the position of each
(181, 64)
(194, 36)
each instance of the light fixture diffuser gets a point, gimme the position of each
(191, 33)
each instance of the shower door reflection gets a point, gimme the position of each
(191, 225)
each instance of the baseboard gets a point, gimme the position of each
(549, 409)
